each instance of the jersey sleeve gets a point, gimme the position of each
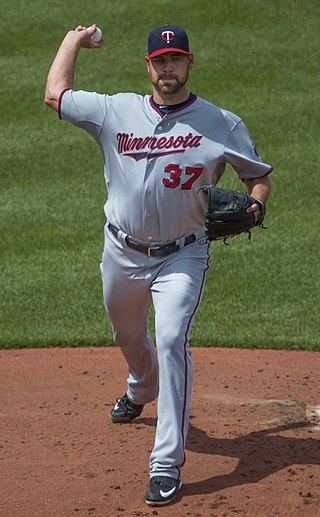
(240, 151)
(83, 109)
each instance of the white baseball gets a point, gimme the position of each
(97, 35)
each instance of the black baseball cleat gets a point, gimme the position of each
(124, 411)
(162, 490)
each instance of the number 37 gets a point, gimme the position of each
(175, 172)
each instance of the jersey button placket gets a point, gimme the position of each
(161, 124)
(147, 213)
(148, 218)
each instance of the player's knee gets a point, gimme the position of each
(125, 337)
(122, 338)
(169, 338)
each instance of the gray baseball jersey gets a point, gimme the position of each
(155, 166)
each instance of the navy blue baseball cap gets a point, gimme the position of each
(169, 38)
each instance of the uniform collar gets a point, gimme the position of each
(163, 110)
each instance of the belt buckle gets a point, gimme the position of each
(152, 248)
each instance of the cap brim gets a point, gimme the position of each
(166, 50)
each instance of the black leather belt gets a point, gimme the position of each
(161, 250)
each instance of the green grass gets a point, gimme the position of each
(257, 59)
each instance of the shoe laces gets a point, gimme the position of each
(125, 403)
(160, 480)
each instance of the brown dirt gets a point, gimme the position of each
(253, 447)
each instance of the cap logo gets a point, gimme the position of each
(167, 36)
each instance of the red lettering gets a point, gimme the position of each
(187, 139)
(135, 143)
(175, 175)
(174, 179)
(162, 142)
(178, 142)
(196, 172)
(153, 142)
(195, 142)
(145, 142)
(122, 139)
(170, 142)
(128, 142)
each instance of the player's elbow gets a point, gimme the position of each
(51, 100)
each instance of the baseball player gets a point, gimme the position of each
(158, 151)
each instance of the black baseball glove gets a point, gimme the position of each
(227, 215)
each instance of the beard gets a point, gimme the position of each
(168, 85)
